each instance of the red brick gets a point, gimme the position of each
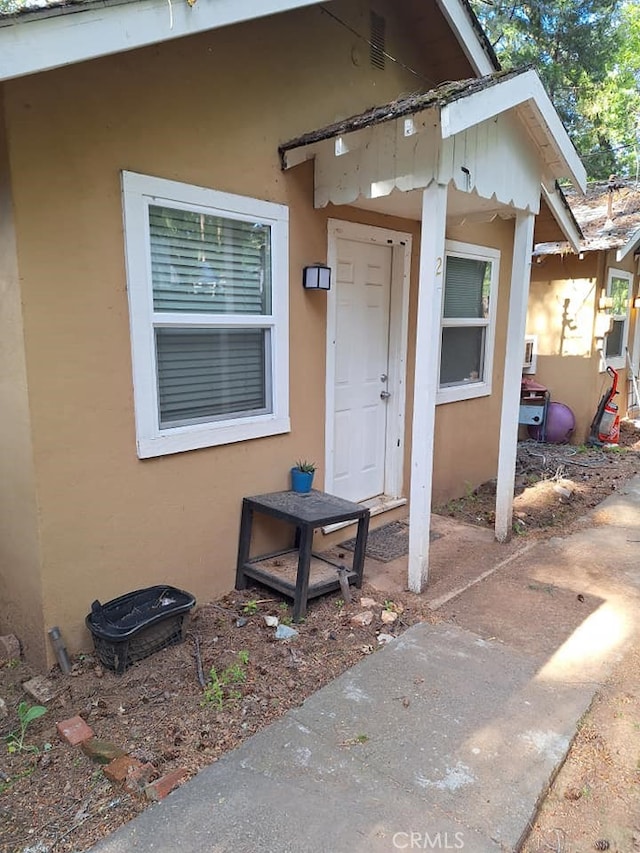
(139, 777)
(74, 730)
(119, 769)
(159, 789)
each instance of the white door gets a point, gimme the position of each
(361, 386)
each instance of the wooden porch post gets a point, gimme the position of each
(518, 299)
(430, 283)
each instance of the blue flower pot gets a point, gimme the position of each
(301, 480)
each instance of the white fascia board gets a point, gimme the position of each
(31, 45)
(458, 19)
(563, 218)
(508, 94)
(629, 246)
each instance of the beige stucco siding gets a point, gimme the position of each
(467, 432)
(20, 579)
(211, 111)
(563, 314)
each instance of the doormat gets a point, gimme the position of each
(387, 542)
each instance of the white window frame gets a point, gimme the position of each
(481, 388)
(138, 192)
(620, 361)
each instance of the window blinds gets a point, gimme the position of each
(464, 286)
(209, 264)
(209, 374)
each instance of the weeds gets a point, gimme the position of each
(7, 781)
(542, 587)
(250, 607)
(286, 618)
(219, 689)
(26, 715)
(470, 493)
(354, 741)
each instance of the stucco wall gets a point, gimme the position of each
(467, 432)
(20, 581)
(208, 110)
(563, 313)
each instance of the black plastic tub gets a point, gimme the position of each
(134, 626)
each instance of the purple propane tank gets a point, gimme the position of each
(560, 425)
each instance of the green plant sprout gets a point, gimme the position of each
(218, 688)
(306, 467)
(26, 715)
(250, 607)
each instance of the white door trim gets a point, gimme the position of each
(398, 334)
(635, 357)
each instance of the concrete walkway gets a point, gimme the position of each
(447, 738)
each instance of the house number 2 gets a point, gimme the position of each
(438, 266)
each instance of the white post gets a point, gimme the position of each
(518, 299)
(430, 283)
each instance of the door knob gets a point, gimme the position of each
(384, 395)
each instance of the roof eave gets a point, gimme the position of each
(522, 89)
(630, 246)
(43, 39)
(31, 44)
(563, 215)
(477, 47)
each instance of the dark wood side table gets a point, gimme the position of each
(298, 572)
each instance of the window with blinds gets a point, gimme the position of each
(619, 289)
(212, 264)
(209, 374)
(208, 296)
(467, 321)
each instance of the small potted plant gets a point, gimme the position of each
(302, 476)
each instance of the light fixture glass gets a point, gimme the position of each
(316, 277)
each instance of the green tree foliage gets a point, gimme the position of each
(587, 52)
(9, 7)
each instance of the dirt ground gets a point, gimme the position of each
(55, 798)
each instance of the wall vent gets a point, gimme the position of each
(377, 42)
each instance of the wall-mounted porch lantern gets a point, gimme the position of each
(316, 277)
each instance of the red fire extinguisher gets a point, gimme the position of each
(609, 426)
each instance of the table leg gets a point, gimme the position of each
(244, 544)
(304, 569)
(361, 547)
